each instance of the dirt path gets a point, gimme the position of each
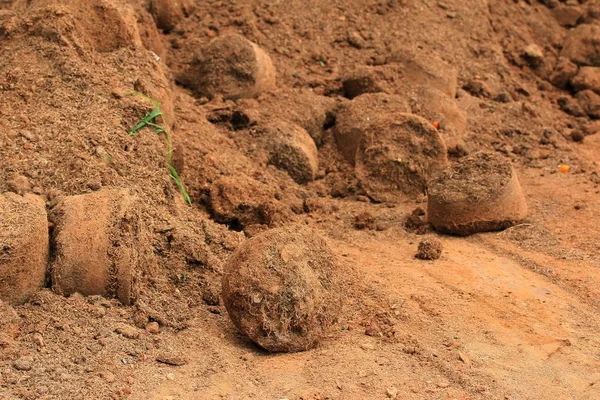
(472, 325)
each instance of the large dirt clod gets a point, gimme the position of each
(241, 201)
(355, 117)
(282, 289)
(302, 107)
(564, 70)
(590, 103)
(231, 66)
(587, 78)
(99, 245)
(481, 193)
(418, 69)
(23, 246)
(361, 80)
(293, 150)
(582, 45)
(167, 13)
(397, 154)
(435, 106)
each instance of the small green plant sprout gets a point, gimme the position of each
(150, 120)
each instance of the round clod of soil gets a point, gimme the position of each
(480, 193)
(293, 150)
(99, 245)
(23, 246)
(231, 66)
(429, 249)
(282, 289)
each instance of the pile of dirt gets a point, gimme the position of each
(342, 117)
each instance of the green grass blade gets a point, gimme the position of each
(175, 177)
(150, 121)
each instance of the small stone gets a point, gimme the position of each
(443, 383)
(172, 359)
(533, 54)
(99, 311)
(367, 346)
(171, 376)
(38, 339)
(577, 136)
(392, 392)
(429, 249)
(128, 331)
(153, 327)
(24, 363)
(465, 359)
(19, 184)
(355, 40)
(108, 376)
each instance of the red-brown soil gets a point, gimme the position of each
(512, 314)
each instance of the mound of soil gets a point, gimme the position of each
(282, 289)
(480, 193)
(23, 246)
(99, 245)
(527, 73)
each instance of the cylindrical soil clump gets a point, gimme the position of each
(281, 288)
(231, 66)
(98, 245)
(480, 193)
(23, 246)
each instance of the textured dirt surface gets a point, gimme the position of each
(502, 315)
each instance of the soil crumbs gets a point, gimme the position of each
(501, 315)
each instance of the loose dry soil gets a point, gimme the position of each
(513, 314)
